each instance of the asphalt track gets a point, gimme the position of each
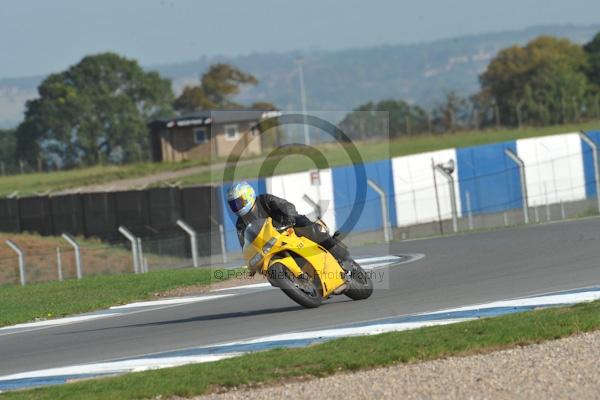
(456, 271)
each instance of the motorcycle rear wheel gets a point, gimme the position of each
(302, 290)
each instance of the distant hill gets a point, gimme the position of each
(341, 80)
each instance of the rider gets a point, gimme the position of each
(248, 207)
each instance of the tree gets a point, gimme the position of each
(404, 118)
(592, 50)
(483, 110)
(8, 147)
(451, 114)
(538, 82)
(270, 138)
(371, 120)
(361, 123)
(191, 99)
(217, 88)
(263, 105)
(95, 111)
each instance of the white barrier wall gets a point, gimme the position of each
(415, 190)
(293, 187)
(553, 168)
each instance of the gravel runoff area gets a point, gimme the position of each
(560, 369)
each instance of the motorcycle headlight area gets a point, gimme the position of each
(269, 245)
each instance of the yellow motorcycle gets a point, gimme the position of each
(305, 271)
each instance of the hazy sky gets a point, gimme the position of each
(38, 37)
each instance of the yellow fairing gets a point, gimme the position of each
(258, 243)
(289, 263)
(324, 264)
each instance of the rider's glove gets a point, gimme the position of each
(289, 220)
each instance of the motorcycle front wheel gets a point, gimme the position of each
(303, 290)
(360, 286)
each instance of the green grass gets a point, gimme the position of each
(340, 355)
(40, 182)
(59, 180)
(475, 138)
(56, 299)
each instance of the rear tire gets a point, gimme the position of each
(281, 277)
(361, 286)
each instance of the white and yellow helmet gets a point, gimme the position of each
(241, 198)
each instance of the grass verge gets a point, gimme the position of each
(347, 354)
(31, 183)
(56, 299)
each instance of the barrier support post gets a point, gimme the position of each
(21, 256)
(193, 240)
(521, 164)
(134, 250)
(387, 234)
(59, 265)
(71, 240)
(584, 136)
(450, 180)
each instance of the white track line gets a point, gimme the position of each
(58, 321)
(117, 366)
(548, 300)
(135, 309)
(370, 260)
(245, 287)
(175, 300)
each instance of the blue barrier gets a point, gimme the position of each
(485, 175)
(490, 177)
(344, 192)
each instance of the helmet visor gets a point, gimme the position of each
(237, 204)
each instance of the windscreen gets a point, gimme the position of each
(253, 230)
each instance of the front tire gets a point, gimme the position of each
(360, 286)
(302, 290)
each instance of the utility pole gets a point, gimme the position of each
(300, 62)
